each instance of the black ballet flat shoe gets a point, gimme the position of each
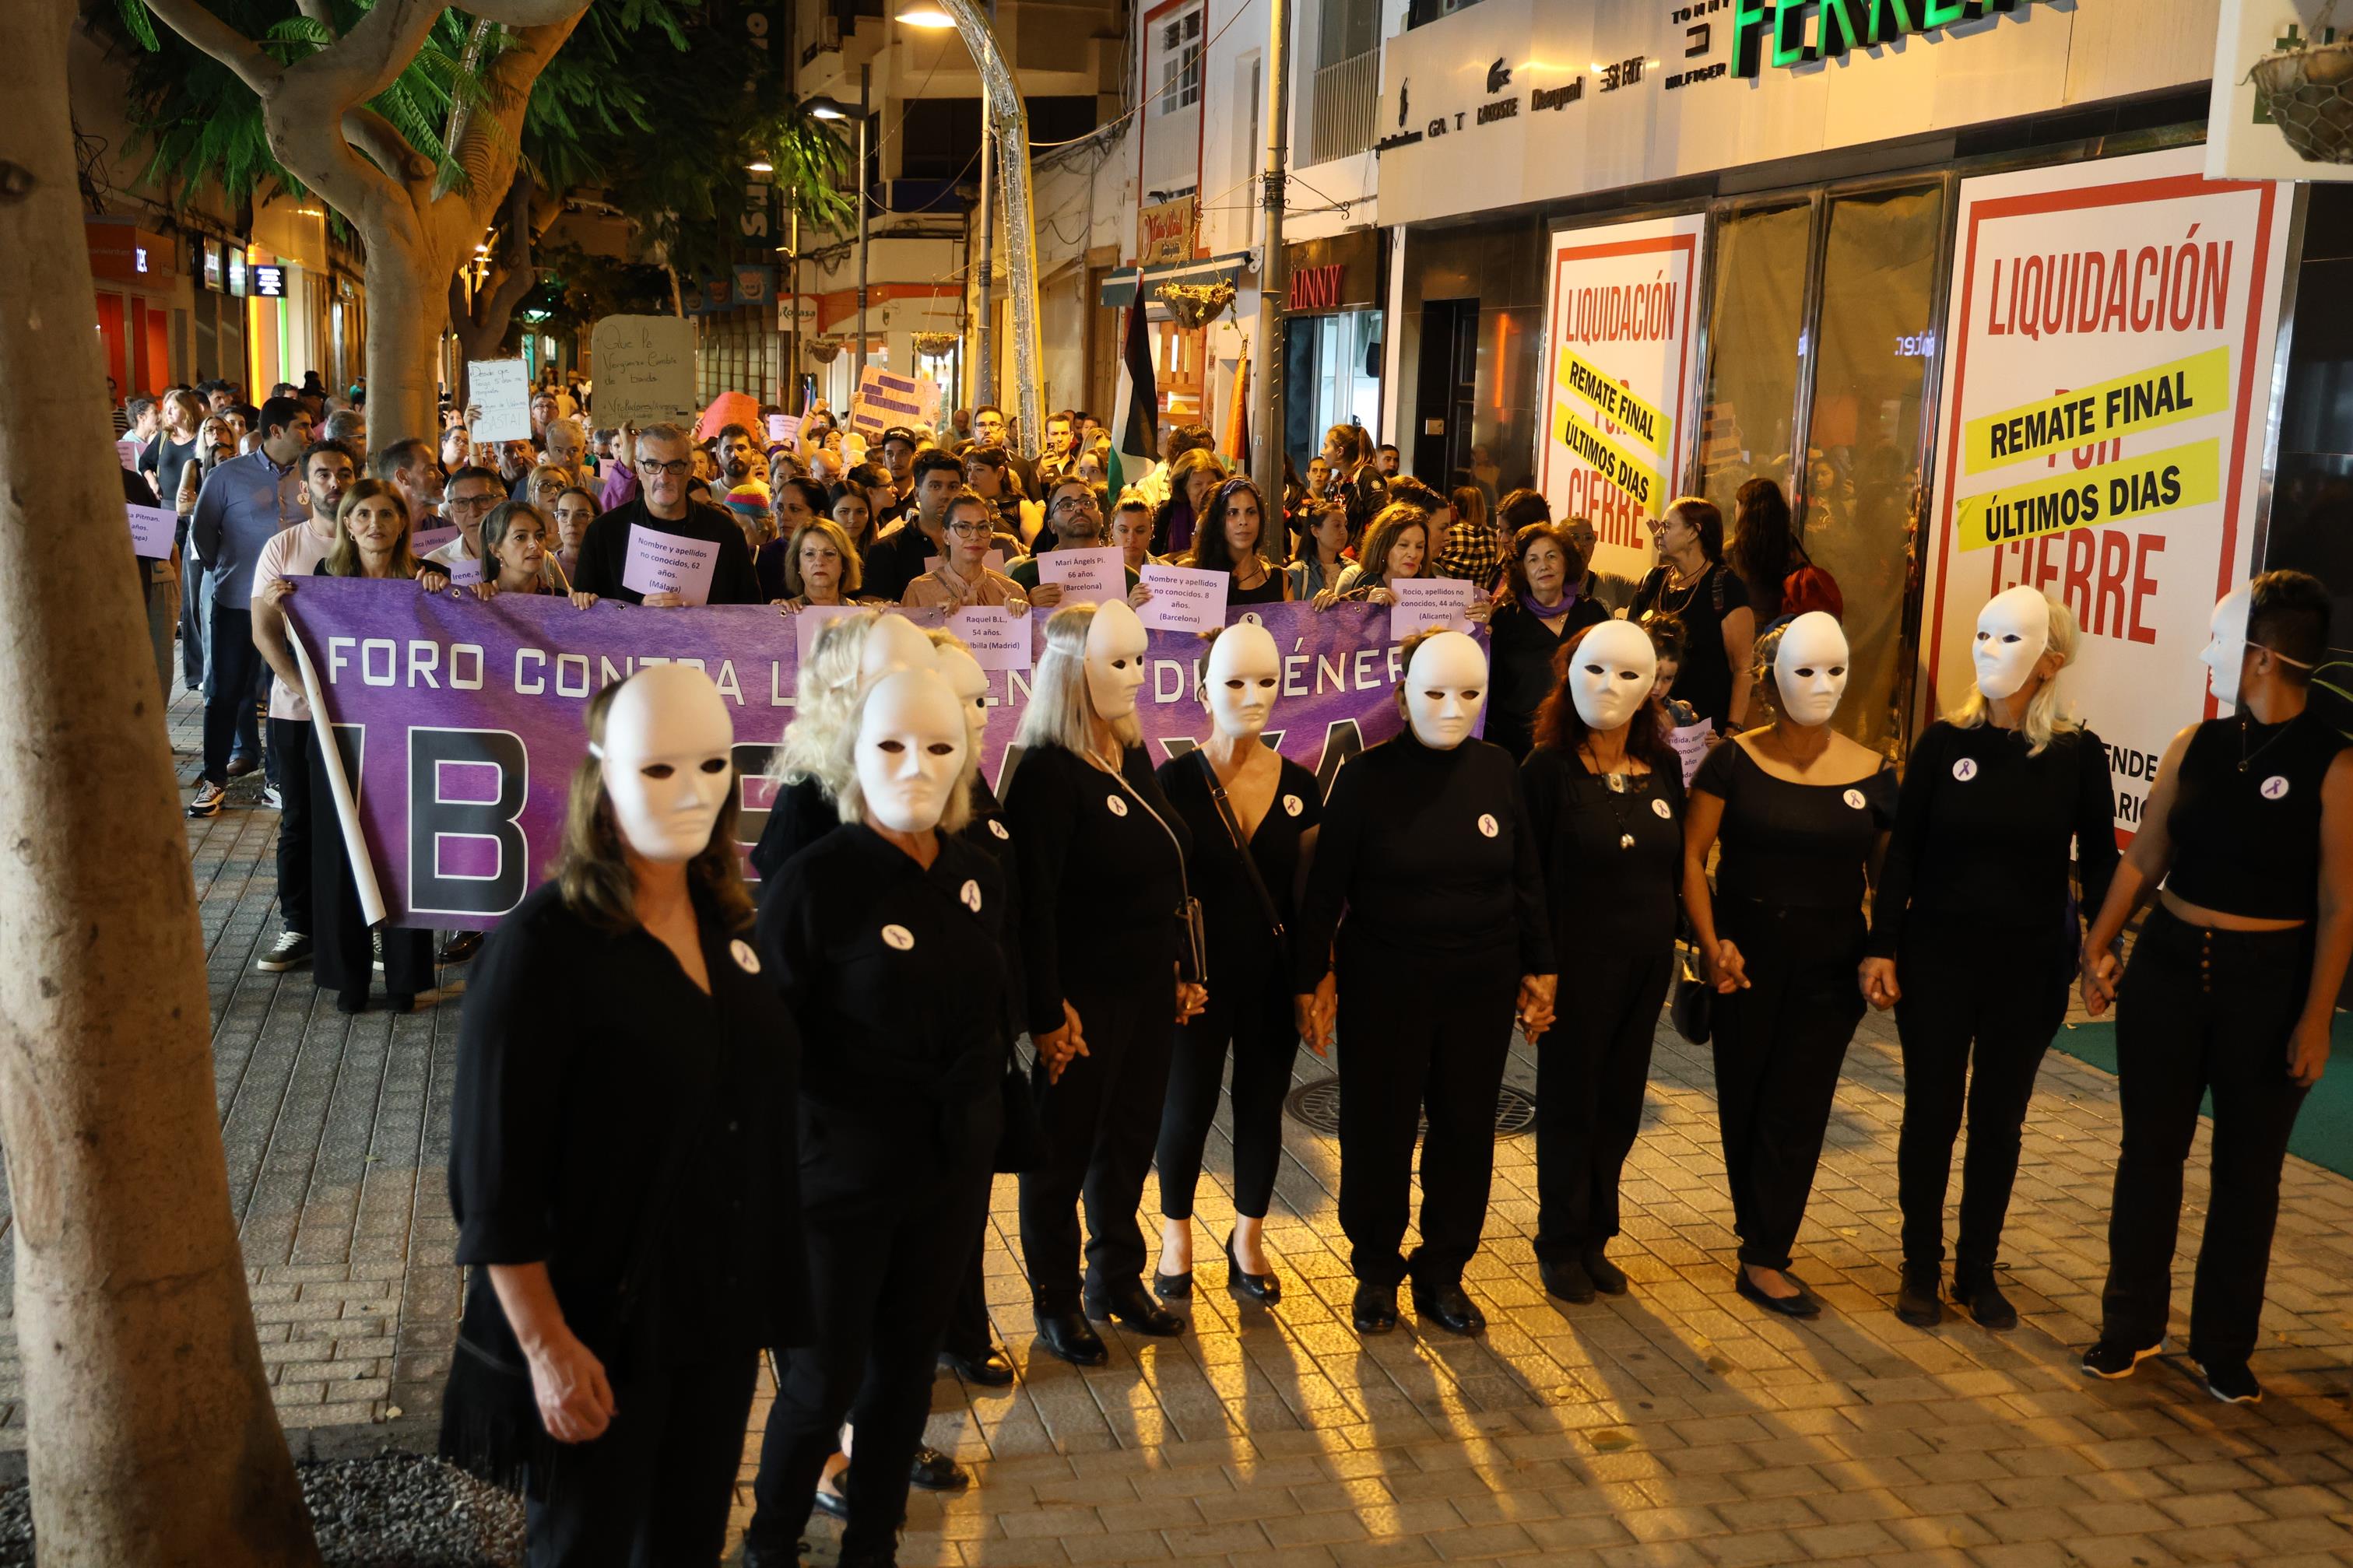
(350, 1001)
(1607, 1277)
(1172, 1286)
(1917, 1294)
(833, 1503)
(1376, 1309)
(1069, 1336)
(992, 1368)
(1450, 1309)
(1128, 1304)
(1567, 1279)
(938, 1472)
(1802, 1305)
(1264, 1289)
(1986, 1303)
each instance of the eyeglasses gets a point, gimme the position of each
(1076, 503)
(652, 470)
(472, 503)
(970, 530)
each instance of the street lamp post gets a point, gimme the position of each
(865, 85)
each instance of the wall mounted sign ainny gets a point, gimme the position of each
(1787, 32)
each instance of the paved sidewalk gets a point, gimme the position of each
(1677, 1425)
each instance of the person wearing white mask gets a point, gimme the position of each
(1606, 805)
(1103, 891)
(845, 657)
(884, 941)
(1993, 799)
(1427, 847)
(1803, 812)
(2233, 981)
(1253, 815)
(623, 1154)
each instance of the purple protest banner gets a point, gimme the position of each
(460, 722)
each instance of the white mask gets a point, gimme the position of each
(1611, 673)
(2226, 642)
(1245, 675)
(668, 761)
(1444, 688)
(1116, 644)
(911, 746)
(970, 683)
(2013, 632)
(1810, 668)
(895, 643)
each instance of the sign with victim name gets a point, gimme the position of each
(2107, 373)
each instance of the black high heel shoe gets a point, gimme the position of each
(1264, 1289)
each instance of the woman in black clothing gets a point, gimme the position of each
(1765, 548)
(884, 941)
(1356, 475)
(1540, 612)
(1249, 910)
(2234, 982)
(1993, 799)
(1233, 540)
(1425, 843)
(1192, 481)
(1693, 584)
(843, 658)
(1102, 855)
(622, 1159)
(1605, 801)
(1803, 812)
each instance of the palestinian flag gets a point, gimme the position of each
(1135, 415)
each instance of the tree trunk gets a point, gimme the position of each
(153, 1436)
(404, 332)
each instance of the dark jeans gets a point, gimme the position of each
(1969, 1040)
(1100, 1121)
(1420, 1032)
(1778, 1047)
(195, 603)
(233, 671)
(1591, 1072)
(890, 1225)
(654, 1490)
(1260, 1024)
(290, 746)
(2202, 1011)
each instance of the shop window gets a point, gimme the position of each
(1754, 323)
(1180, 62)
(1863, 440)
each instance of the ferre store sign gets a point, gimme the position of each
(1341, 273)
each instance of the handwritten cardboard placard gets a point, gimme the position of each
(998, 636)
(1184, 598)
(1690, 742)
(1429, 604)
(662, 562)
(500, 390)
(1087, 576)
(152, 529)
(645, 368)
(783, 429)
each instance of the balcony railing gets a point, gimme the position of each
(1347, 102)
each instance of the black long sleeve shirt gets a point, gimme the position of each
(605, 553)
(1426, 850)
(1982, 829)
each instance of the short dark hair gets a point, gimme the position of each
(988, 408)
(2288, 614)
(318, 448)
(866, 476)
(402, 454)
(729, 432)
(475, 471)
(278, 412)
(812, 493)
(1386, 446)
(137, 406)
(935, 461)
(1405, 487)
(1667, 636)
(1520, 508)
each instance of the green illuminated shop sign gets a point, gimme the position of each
(1792, 32)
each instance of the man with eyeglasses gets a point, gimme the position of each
(988, 429)
(1075, 516)
(898, 557)
(664, 461)
(471, 494)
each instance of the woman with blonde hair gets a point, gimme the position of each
(819, 566)
(1995, 795)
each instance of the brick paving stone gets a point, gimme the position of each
(1673, 1426)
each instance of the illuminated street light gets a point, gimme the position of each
(928, 17)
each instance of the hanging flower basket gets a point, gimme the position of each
(2309, 92)
(1193, 305)
(825, 351)
(935, 343)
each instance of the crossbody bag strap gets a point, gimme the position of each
(1119, 782)
(1241, 845)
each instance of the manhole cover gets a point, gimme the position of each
(1316, 1106)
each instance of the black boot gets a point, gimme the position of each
(1915, 1297)
(1976, 1290)
(1565, 1277)
(1607, 1277)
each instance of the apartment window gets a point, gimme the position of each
(1180, 62)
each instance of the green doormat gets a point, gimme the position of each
(2324, 1128)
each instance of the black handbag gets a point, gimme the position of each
(1694, 996)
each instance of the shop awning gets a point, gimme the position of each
(1122, 287)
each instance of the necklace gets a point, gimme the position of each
(1616, 787)
(1667, 583)
(2246, 723)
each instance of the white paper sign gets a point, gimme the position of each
(644, 367)
(1184, 598)
(1429, 604)
(662, 562)
(1087, 576)
(998, 636)
(811, 619)
(425, 541)
(126, 452)
(152, 530)
(501, 390)
(783, 429)
(464, 574)
(1690, 742)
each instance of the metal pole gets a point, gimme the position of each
(791, 399)
(865, 79)
(1266, 406)
(1010, 123)
(984, 308)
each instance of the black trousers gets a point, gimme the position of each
(343, 959)
(1591, 1072)
(2202, 1011)
(892, 1214)
(1420, 1032)
(1970, 1040)
(1100, 1121)
(654, 1490)
(1255, 1015)
(195, 608)
(232, 671)
(1778, 1047)
(290, 744)
(968, 1333)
